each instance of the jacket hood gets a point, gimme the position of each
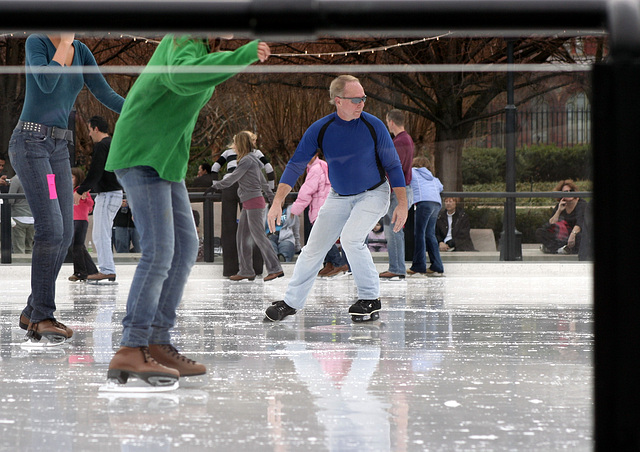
(424, 173)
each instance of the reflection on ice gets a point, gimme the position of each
(465, 362)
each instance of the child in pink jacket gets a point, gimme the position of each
(313, 193)
(82, 263)
(315, 189)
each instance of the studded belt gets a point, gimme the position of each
(53, 132)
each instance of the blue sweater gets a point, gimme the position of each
(50, 93)
(349, 150)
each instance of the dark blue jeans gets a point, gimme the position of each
(424, 238)
(42, 163)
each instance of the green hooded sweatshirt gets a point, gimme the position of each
(161, 109)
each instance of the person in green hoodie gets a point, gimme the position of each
(149, 154)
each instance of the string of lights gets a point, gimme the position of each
(305, 54)
(358, 52)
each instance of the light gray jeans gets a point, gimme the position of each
(351, 218)
(105, 210)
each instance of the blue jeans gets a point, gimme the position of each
(169, 244)
(424, 236)
(286, 248)
(38, 160)
(107, 205)
(395, 240)
(126, 239)
(336, 256)
(350, 218)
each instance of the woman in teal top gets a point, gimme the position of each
(149, 153)
(39, 155)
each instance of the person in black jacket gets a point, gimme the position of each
(108, 199)
(453, 229)
(204, 178)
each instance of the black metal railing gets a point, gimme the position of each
(560, 127)
(208, 220)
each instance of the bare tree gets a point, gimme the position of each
(451, 102)
(12, 88)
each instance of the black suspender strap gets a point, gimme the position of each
(372, 131)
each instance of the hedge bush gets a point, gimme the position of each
(534, 163)
(527, 220)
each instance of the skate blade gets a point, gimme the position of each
(102, 282)
(136, 386)
(360, 318)
(43, 344)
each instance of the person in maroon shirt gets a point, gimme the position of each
(395, 240)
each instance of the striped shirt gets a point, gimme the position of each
(229, 157)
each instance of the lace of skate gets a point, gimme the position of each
(146, 355)
(58, 325)
(176, 354)
(363, 304)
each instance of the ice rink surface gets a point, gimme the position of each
(492, 357)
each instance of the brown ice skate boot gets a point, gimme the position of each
(167, 355)
(137, 362)
(24, 324)
(51, 330)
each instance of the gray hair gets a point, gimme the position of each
(336, 89)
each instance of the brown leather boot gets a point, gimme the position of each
(51, 329)
(24, 324)
(167, 355)
(328, 267)
(137, 362)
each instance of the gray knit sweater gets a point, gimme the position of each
(251, 181)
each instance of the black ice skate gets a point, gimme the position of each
(133, 369)
(278, 311)
(365, 310)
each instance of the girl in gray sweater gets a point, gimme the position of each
(251, 185)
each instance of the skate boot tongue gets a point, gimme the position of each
(168, 355)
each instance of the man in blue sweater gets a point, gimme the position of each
(359, 151)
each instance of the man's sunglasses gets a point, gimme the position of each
(355, 100)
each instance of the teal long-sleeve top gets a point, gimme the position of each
(50, 92)
(162, 107)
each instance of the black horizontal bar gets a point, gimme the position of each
(301, 17)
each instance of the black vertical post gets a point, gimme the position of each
(616, 139)
(5, 232)
(510, 246)
(207, 229)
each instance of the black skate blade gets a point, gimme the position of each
(361, 318)
(137, 386)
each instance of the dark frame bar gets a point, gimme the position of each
(303, 17)
(616, 126)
